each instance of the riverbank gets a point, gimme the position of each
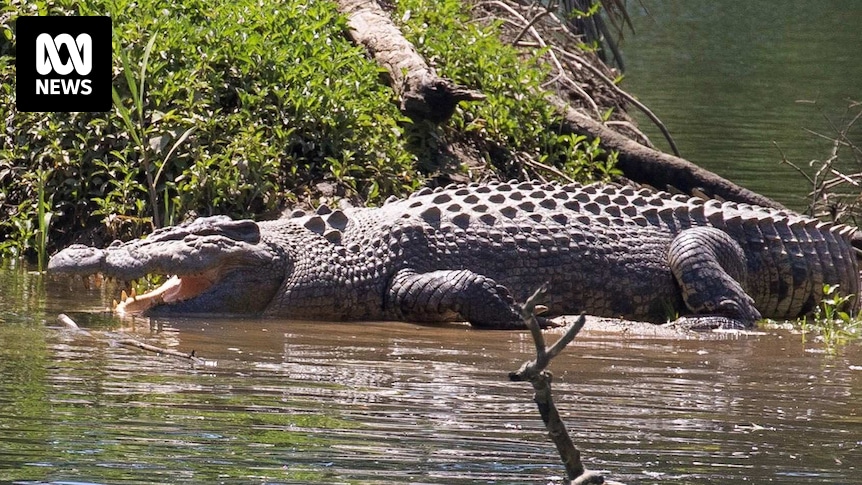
(223, 110)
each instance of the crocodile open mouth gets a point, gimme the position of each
(174, 290)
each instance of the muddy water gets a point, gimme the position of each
(294, 402)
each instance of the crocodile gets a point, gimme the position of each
(471, 252)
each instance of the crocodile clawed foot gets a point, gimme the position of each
(708, 323)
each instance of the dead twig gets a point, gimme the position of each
(129, 342)
(534, 372)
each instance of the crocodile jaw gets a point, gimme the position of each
(175, 289)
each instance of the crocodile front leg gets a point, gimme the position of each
(447, 295)
(711, 269)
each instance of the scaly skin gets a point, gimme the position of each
(469, 253)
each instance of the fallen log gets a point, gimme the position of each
(649, 166)
(424, 95)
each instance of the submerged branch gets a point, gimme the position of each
(536, 374)
(129, 342)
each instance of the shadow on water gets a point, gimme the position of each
(298, 402)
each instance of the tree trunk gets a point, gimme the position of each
(423, 94)
(648, 166)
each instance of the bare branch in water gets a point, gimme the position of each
(536, 374)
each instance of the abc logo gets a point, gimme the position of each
(63, 64)
(48, 60)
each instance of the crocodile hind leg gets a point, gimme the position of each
(447, 295)
(711, 268)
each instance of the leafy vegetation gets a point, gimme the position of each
(832, 323)
(241, 108)
(515, 118)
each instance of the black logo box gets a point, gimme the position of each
(28, 30)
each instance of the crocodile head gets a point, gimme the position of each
(214, 265)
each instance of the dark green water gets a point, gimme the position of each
(295, 402)
(732, 79)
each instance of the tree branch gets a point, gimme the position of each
(423, 94)
(535, 373)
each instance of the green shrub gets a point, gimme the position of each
(240, 107)
(271, 98)
(515, 115)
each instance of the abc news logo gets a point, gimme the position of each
(63, 64)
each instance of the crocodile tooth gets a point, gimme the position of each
(134, 294)
(115, 303)
(124, 296)
(323, 210)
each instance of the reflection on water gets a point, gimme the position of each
(725, 77)
(298, 402)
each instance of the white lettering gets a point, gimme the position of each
(80, 54)
(64, 86)
(42, 86)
